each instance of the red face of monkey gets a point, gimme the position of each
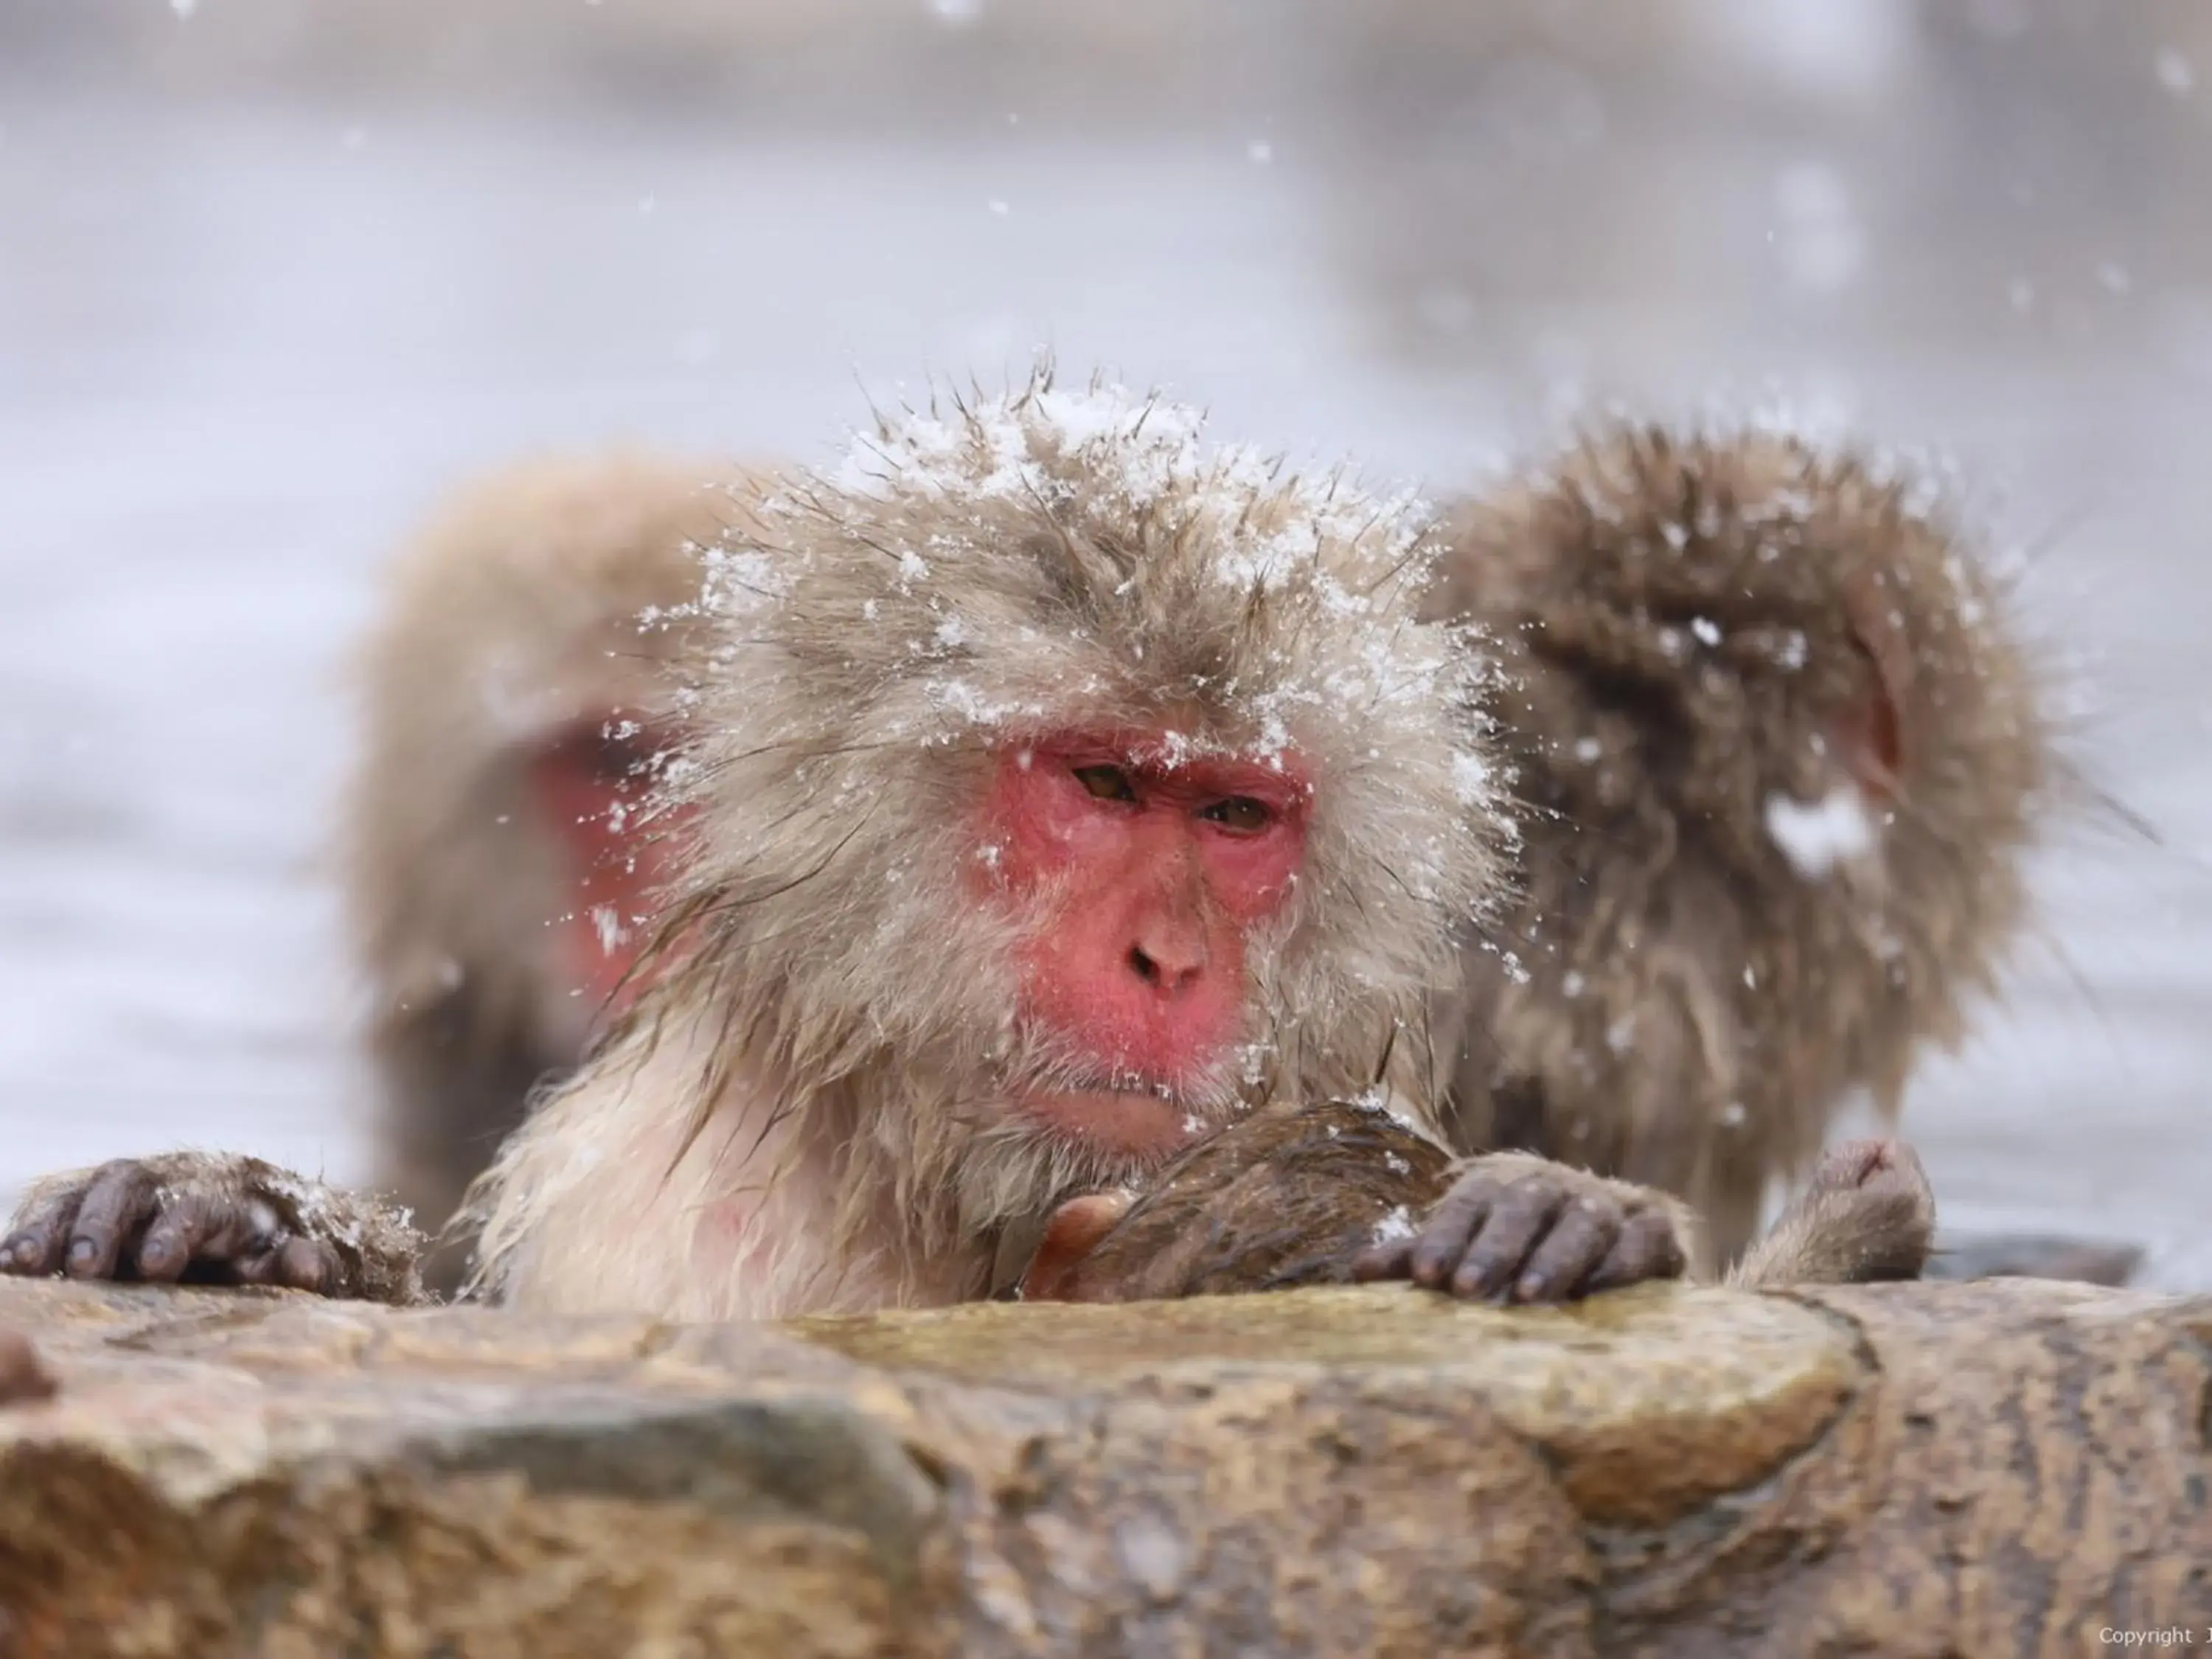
(1143, 871)
(593, 787)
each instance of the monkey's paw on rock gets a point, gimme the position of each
(1991, 1469)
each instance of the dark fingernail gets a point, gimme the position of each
(83, 1251)
(1531, 1288)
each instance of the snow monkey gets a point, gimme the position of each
(498, 853)
(1061, 787)
(1778, 753)
(1293, 1195)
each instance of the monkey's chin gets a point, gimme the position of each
(1122, 1123)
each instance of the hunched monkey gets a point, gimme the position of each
(500, 851)
(1777, 750)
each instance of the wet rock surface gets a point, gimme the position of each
(1938, 1470)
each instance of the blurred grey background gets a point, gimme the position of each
(273, 272)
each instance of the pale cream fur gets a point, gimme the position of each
(725, 1225)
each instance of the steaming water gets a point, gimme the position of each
(239, 352)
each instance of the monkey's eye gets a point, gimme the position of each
(1240, 815)
(1105, 782)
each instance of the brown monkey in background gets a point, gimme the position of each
(1295, 1195)
(498, 853)
(1777, 752)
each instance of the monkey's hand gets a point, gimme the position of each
(1867, 1214)
(1516, 1228)
(212, 1218)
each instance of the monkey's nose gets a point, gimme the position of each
(1169, 967)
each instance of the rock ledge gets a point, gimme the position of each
(1985, 1469)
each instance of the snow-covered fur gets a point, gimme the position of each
(807, 1112)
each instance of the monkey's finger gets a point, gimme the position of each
(1520, 1217)
(194, 1228)
(308, 1264)
(261, 1262)
(1574, 1250)
(120, 1200)
(1390, 1259)
(1458, 1217)
(33, 1252)
(290, 1262)
(1647, 1249)
(41, 1233)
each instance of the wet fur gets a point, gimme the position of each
(1287, 1197)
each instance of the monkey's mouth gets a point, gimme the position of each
(1134, 1123)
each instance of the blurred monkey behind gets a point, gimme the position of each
(497, 853)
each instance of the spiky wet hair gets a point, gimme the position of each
(989, 570)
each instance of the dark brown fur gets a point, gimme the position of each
(1692, 630)
(1289, 1196)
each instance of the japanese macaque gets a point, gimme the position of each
(1294, 1195)
(1776, 752)
(499, 854)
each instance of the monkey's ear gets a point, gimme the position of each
(1073, 1233)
